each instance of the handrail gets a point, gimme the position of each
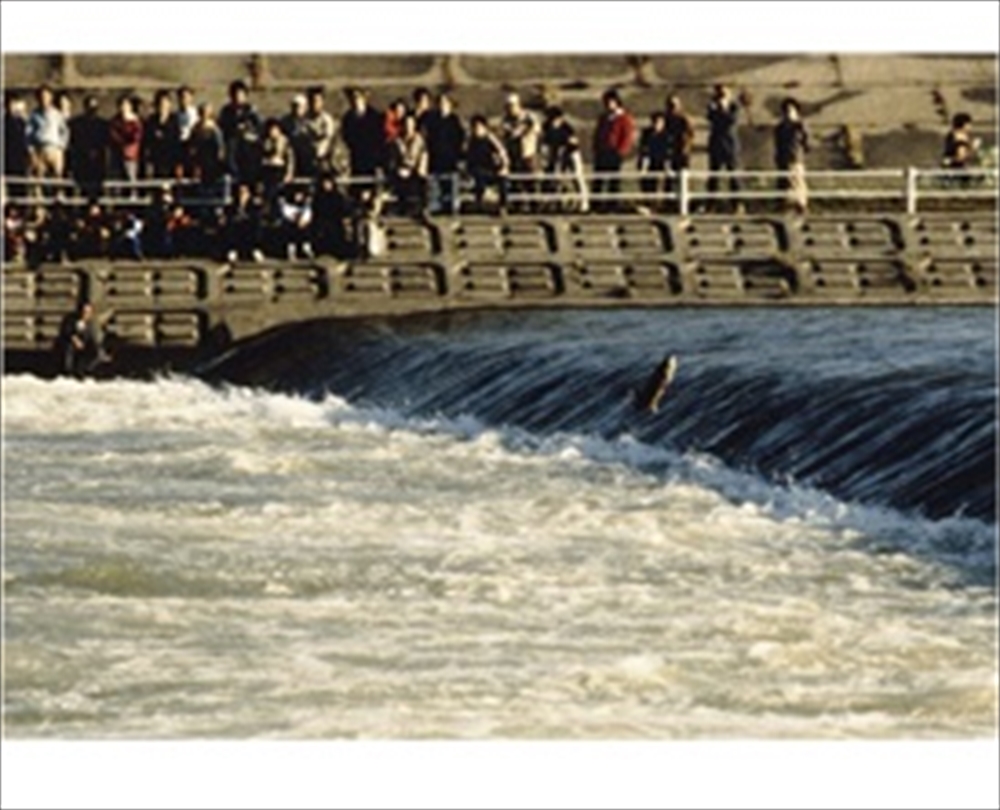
(126, 191)
(686, 188)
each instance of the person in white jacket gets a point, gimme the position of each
(296, 222)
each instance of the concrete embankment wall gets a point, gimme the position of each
(184, 308)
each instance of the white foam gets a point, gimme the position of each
(317, 568)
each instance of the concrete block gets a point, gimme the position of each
(363, 68)
(590, 68)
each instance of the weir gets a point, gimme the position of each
(174, 312)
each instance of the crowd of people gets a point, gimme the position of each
(305, 182)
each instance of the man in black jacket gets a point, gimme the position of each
(241, 133)
(161, 139)
(362, 131)
(723, 140)
(445, 135)
(88, 144)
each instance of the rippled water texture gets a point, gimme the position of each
(461, 528)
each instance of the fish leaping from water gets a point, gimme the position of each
(656, 386)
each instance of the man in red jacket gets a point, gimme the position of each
(613, 140)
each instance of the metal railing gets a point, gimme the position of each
(47, 191)
(685, 191)
(688, 189)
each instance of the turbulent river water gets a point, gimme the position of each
(463, 527)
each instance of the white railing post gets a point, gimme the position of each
(455, 180)
(683, 195)
(910, 178)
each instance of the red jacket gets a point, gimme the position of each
(615, 133)
(126, 136)
(392, 126)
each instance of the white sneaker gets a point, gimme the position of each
(257, 255)
(231, 257)
(307, 250)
